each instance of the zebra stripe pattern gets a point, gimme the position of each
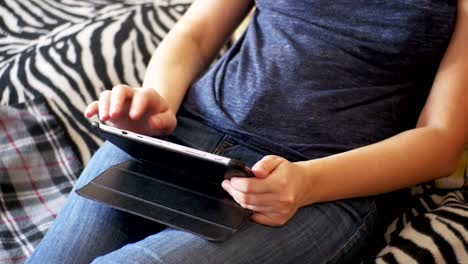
(433, 230)
(68, 51)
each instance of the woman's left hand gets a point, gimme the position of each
(274, 194)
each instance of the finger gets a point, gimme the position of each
(226, 184)
(146, 100)
(118, 98)
(164, 122)
(263, 200)
(104, 99)
(266, 165)
(264, 219)
(91, 109)
(260, 209)
(139, 104)
(251, 185)
(158, 104)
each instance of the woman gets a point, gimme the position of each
(332, 103)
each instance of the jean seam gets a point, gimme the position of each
(230, 148)
(219, 144)
(224, 145)
(144, 249)
(361, 228)
(154, 254)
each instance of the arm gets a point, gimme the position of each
(184, 53)
(191, 45)
(426, 152)
(429, 151)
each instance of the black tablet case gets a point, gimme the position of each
(167, 187)
(173, 189)
(168, 198)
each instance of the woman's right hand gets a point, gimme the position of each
(141, 110)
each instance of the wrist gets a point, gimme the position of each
(309, 191)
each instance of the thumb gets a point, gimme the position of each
(266, 165)
(263, 219)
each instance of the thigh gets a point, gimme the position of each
(85, 229)
(334, 232)
(326, 233)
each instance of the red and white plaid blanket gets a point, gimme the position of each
(37, 170)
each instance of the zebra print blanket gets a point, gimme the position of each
(68, 51)
(433, 229)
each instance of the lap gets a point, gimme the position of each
(323, 233)
(333, 232)
(326, 233)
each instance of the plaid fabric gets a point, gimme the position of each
(37, 170)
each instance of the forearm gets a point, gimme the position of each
(173, 67)
(412, 157)
(191, 45)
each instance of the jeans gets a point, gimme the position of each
(86, 231)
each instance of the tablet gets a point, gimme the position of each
(157, 150)
(171, 184)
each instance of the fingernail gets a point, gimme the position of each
(224, 184)
(256, 166)
(132, 114)
(114, 114)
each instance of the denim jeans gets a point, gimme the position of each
(86, 231)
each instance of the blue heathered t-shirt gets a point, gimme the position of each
(318, 77)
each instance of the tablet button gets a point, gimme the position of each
(199, 153)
